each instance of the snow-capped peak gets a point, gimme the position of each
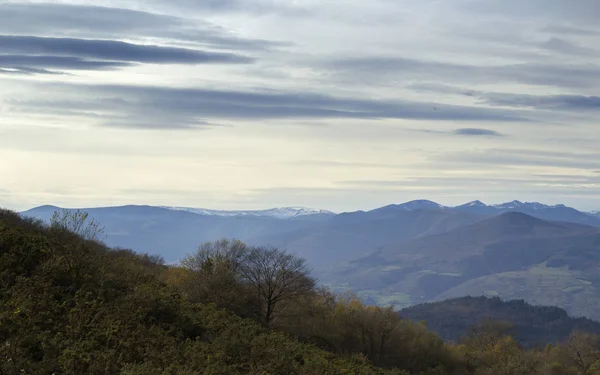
(476, 203)
(509, 205)
(421, 204)
(277, 213)
(526, 205)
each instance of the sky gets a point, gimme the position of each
(333, 104)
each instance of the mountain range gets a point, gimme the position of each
(512, 255)
(404, 254)
(275, 213)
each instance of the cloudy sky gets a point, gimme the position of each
(336, 104)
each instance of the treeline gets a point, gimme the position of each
(69, 305)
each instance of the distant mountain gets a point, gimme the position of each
(542, 211)
(411, 206)
(323, 238)
(174, 233)
(532, 325)
(276, 213)
(350, 235)
(512, 255)
(553, 213)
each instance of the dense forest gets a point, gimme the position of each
(70, 305)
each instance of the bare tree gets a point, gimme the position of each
(276, 276)
(78, 222)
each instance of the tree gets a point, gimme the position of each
(276, 277)
(76, 221)
(223, 256)
(485, 335)
(74, 230)
(583, 351)
(214, 276)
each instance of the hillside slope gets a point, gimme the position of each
(532, 325)
(512, 256)
(72, 306)
(351, 235)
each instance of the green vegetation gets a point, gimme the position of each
(530, 325)
(70, 305)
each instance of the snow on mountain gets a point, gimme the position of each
(525, 205)
(277, 213)
(476, 203)
(421, 204)
(509, 205)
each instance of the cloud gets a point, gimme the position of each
(112, 51)
(518, 158)
(40, 64)
(569, 30)
(535, 180)
(462, 132)
(381, 69)
(256, 7)
(565, 47)
(20, 70)
(186, 107)
(583, 12)
(546, 102)
(87, 21)
(550, 102)
(477, 132)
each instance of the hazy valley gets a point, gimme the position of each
(402, 254)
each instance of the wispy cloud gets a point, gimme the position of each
(41, 64)
(468, 132)
(520, 158)
(255, 7)
(566, 47)
(570, 30)
(70, 53)
(87, 21)
(185, 108)
(477, 132)
(547, 102)
(378, 69)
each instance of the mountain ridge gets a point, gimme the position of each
(277, 213)
(297, 211)
(512, 255)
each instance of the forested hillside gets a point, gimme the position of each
(70, 305)
(530, 325)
